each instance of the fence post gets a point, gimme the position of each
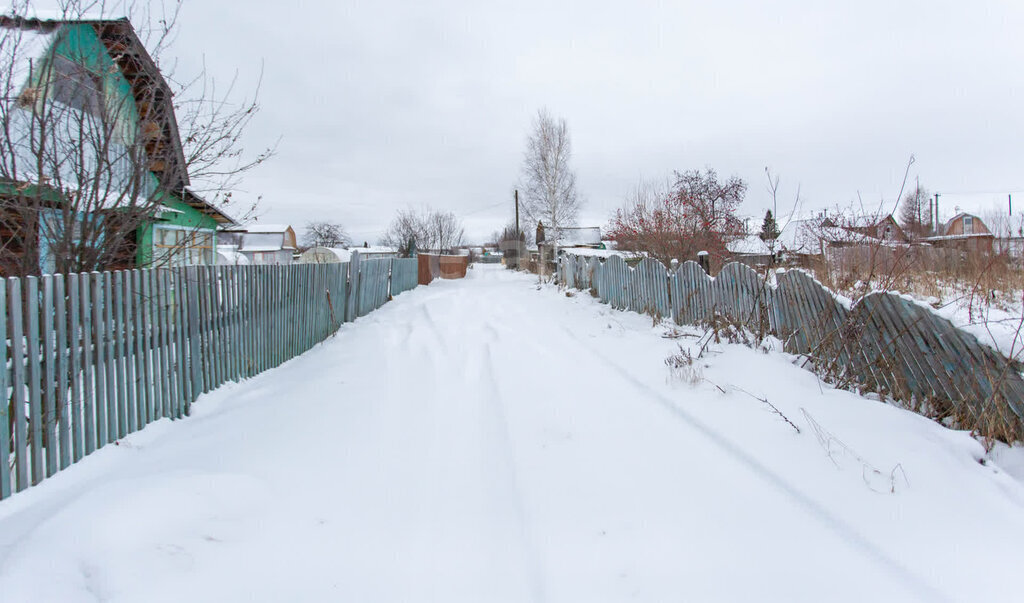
(18, 383)
(194, 361)
(34, 376)
(5, 441)
(351, 308)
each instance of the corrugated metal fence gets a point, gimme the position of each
(93, 357)
(885, 342)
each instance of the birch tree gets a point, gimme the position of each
(548, 181)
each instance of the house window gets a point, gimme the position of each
(968, 225)
(182, 246)
(75, 86)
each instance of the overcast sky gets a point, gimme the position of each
(381, 105)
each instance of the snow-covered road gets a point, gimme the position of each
(492, 440)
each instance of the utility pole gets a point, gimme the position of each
(1009, 201)
(518, 243)
(936, 216)
(517, 214)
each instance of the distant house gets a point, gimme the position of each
(91, 68)
(864, 231)
(754, 251)
(966, 232)
(585, 237)
(263, 244)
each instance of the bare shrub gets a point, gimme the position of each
(682, 367)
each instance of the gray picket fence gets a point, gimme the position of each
(93, 357)
(885, 342)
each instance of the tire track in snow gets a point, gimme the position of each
(846, 532)
(500, 428)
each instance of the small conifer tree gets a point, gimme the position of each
(769, 228)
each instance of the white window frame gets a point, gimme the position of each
(183, 256)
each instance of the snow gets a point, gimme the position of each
(324, 255)
(598, 253)
(749, 245)
(583, 235)
(228, 255)
(491, 439)
(263, 228)
(374, 250)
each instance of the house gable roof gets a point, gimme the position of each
(153, 98)
(951, 221)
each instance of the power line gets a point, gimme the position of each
(999, 192)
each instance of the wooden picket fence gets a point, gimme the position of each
(93, 357)
(885, 342)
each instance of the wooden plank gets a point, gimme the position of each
(88, 366)
(203, 299)
(5, 420)
(159, 355)
(142, 376)
(217, 350)
(352, 310)
(238, 329)
(131, 408)
(277, 338)
(265, 304)
(112, 360)
(180, 339)
(99, 332)
(225, 329)
(75, 347)
(18, 383)
(231, 324)
(256, 317)
(120, 371)
(62, 400)
(246, 326)
(166, 365)
(34, 378)
(195, 339)
(49, 359)
(155, 350)
(163, 342)
(149, 355)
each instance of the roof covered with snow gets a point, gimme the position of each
(750, 245)
(569, 237)
(262, 228)
(374, 250)
(598, 253)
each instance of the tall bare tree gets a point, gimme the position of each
(426, 229)
(915, 212)
(325, 234)
(548, 180)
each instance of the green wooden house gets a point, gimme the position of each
(94, 83)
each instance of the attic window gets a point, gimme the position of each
(968, 225)
(75, 86)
